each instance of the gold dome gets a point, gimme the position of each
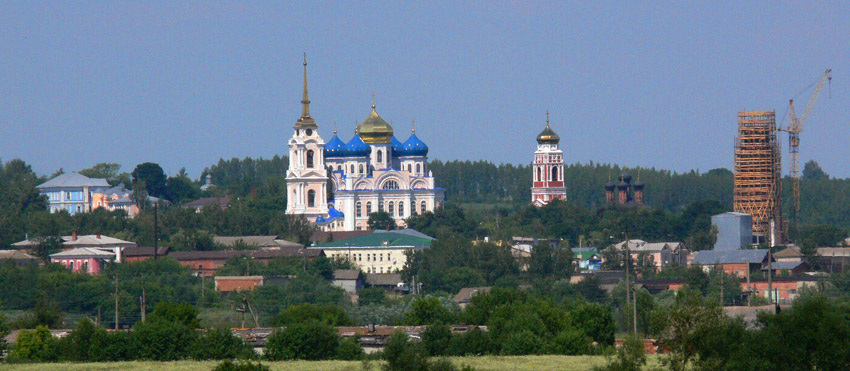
(374, 129)
(548, 136)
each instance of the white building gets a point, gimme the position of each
(339, 184)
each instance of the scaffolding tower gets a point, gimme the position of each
(758, 170)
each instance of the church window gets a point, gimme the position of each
(369, 208)
(539, 175)
(380, 205)
(409, 169)
(554, 173)
(400, 208)
(390, 184)
(311, 198)
(380, 156)
(339, 167)
(310, 159)
(391, 208)
(361, 169)
(418, 169)
(359, 208)
(352, 168)
(309, 132)
(423, 206)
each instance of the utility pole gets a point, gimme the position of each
(142, 304)
(749, 289)
(634, 313)
(155, 232)
(116, 301)
(202, 291)
(721, 287)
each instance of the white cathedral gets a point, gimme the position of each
(339, 184)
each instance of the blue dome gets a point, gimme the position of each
(396, 145)
(413, 147)
(334, 148)
(356, 147)
(334, 213)
(320, 220)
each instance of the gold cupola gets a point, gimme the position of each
(548, 136)
(374, 129)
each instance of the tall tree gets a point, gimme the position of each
(153, 177)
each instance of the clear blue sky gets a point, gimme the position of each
(653, 84)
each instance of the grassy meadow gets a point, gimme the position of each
(486, 363)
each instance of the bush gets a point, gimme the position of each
(629, 357)
(229, 365)
(428, 310)
(37, 345)
(311, 340)
(220, 343)
(162, 340)
(473, 343)
(436, 339)
(121, 346)
(328, 314)
(521, 343)
(570, 342)
(85, 344)
(349, 349)
(402, 354)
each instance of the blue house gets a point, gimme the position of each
(71, 192)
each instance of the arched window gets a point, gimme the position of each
(539, 175)
(423, 207)
(400, 208)
(352, 169)
(339, 167)
(369, 208)
(554, 173)
(390, 184)
(72, 266)
(380, 156)
(380, 205)
(391, 209)
(359, 208)
(86, 266)
(310, 159)
(361, 169)
(311, 198)
(409, 169)
(418, 169)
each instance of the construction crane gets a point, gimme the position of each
(795, 127)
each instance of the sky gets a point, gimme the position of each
(183, 84)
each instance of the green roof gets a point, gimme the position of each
(387, 239)
(584, 253)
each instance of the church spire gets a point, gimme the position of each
(305, 100)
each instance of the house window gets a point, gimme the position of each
(369, 207)
(382, 269)
(85, 266)
(367, 257)
(423, 206)
(310, 159)
(391, 209)
(72, 266)
(400, 208)
(380, 156)
(390, 184)
(311, 198)
(381, 257)
(359, 208)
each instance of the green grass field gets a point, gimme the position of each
(488, 363)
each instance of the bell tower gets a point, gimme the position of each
(306, 178)
(548, 168)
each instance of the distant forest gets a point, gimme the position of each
(824, 200)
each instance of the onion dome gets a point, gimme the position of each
(548, 136)
(638, 185)
(413, 146)
(625, 177)
(334, 147)
(396, 145)
(357, 148)
(320, 219)
(623, 185)
(374, 129)
(609, 186)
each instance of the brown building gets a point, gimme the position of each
(135, 254)
(206, 262)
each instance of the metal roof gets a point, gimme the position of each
(709, 257)
(386, 239)
(68, 180)
(83, 252)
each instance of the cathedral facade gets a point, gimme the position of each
(548, 168)
(338, 184)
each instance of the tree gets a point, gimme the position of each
(180, 188)
(328, 314)
(402, 354)
(371, 295)
(437, 338)
(813, 171)
(103, 170)
(34, 345)
(381, 220)
(428, 310)
(153, 177)
(220, 343)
